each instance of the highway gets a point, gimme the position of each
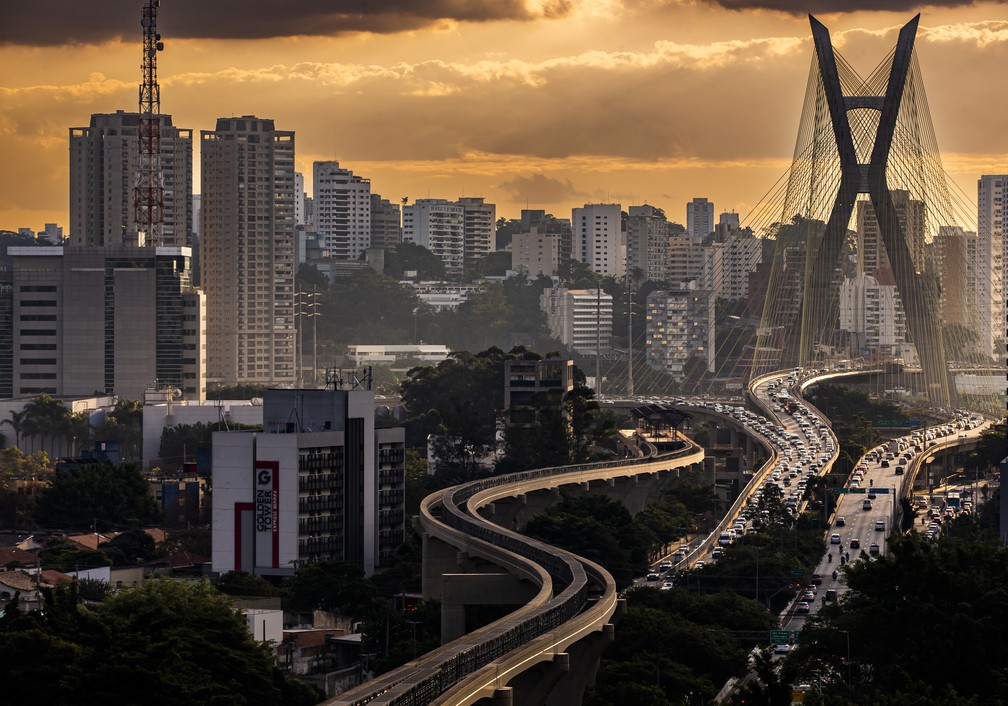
(577, 597)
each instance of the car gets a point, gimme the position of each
(855, 543)
(830, 595)
(700, 564)
(717, 553)
(840, 522)
(874, 548)
(808, 596)
(884, 464)
(652, 576)
(816, 579)
(879, 526)
(667, 586)
(781, 649)
(899, 470)
(802, 607)
(871, 495)
(866, 505)
(812, 587)
(665, 566)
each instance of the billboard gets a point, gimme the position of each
(267, 513)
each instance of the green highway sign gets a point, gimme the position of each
(797, 572)
(881, 491)
(857, 490)
(780, 637)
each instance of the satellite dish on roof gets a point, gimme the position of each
(257, 401)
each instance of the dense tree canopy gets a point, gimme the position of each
(78, 496)
(925, 621)
(163, 642)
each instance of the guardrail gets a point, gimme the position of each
(478, 663)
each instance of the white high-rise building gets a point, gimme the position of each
(700, 218)
(598, 239)
(872, 315)
(992, 243)
(439, 226)
(741, 252)
(480, 228)
(247, 251)
(104, 159)
(579, 318)
(342, 210)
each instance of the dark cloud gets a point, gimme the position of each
(78, 22)
(540, 188)
(802, 7)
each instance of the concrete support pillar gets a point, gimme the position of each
(438, 559)
(503, 697)
(460, 590)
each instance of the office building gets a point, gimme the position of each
(872, 315)
(247, 251)
(598, 238)
(871, 251)
(439, 226)
(700, 218)
(680, 325)
(741, 254)
(104, 159)
(992, 243)
(386, 223)
(342, 203)
(535, 253)
(300, 214)
(318, 484)
(113, 319)
(952, 248)
(647, 243)
(525, 380)
(479, 227)
(581, 319)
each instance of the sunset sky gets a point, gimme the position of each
(544, 103)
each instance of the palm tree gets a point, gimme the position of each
(16, 422)
(46, 415)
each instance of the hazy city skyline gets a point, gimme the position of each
(539, 104)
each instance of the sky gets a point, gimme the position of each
(529, 103)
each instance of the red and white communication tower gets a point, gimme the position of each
(148, 186)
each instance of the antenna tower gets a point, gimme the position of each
(148, 189)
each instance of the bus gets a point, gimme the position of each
(952, 499)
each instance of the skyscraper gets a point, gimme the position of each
(598, 238)
(104, 159)
(342, 210)
(647, 242)
(992, 243)
(480, 219)
(439, 226)
(700, 218)
(386, 223)
(247, 248)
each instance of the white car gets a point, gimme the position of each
(834, 538)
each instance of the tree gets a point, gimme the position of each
(16, 423)
(169, 641)
(125, 425)
(926, 618)
(242, 583)
(78, 496)
(334, 586)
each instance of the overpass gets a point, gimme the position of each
(557, 634)
(546, 651)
